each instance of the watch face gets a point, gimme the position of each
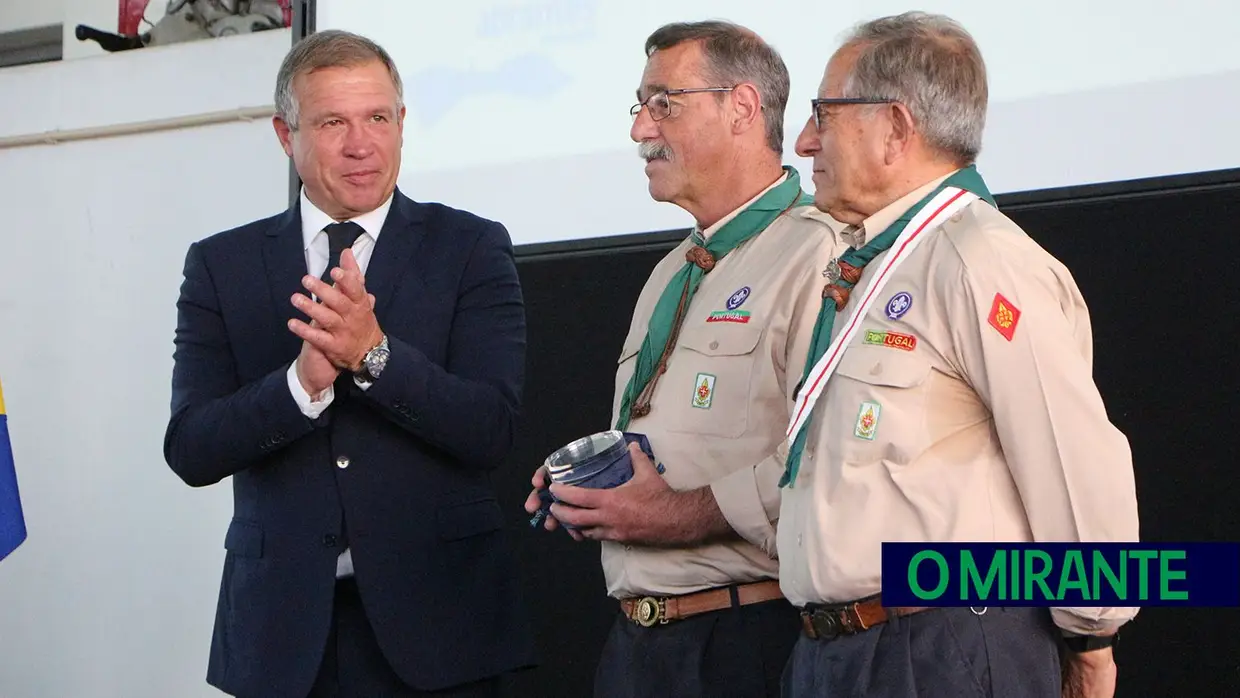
(376, 360)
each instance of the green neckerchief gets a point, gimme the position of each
(664, 324)
(967, 179)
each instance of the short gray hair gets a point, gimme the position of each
(734, 54)
(933, 66)
(327, 49)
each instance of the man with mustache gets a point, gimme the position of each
(707, 372)
(949, 398)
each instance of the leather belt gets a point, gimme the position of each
(831, 621)
(649, 611)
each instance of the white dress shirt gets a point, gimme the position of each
(314, 239)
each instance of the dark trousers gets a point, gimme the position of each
(1002, 652)
(354, 667)
(733, 653)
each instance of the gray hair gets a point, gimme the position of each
(933, 66)
(327, 49)
(734, 54)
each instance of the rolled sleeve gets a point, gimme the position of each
(1092, 621)
(749, 500)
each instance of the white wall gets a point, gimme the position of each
(160, 82)
(23, 14)
(113, 593)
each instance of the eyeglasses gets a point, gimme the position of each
(820, 105)
(660, 107)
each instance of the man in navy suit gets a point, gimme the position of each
(355, 364)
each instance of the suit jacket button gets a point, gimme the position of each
(329, 541)
(342, 462)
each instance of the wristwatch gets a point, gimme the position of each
(1089, 643)
(374, 362)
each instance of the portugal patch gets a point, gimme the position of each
(1004, 316)
(895, 340)
(741, 316)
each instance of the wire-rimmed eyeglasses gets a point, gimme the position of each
(660, 107)
(820, 105)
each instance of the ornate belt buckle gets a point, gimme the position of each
(832, 622)
(650, 612)
(828, 624)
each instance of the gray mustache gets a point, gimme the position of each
(653, 150)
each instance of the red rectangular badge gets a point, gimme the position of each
(1004, 316)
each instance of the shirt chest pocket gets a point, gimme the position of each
(878, 396)
(708, 385)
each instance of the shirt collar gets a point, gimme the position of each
(735, 212)
(313, 220)
(879, 221)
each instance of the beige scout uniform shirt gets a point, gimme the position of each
(945, 430)
(750, 354)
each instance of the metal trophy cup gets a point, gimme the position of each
(598, 461)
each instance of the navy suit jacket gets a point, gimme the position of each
(414, 504)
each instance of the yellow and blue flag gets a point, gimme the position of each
(12, 523)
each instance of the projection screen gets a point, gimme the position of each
(519, 109)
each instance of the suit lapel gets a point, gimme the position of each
(402, 233)
(284, 257)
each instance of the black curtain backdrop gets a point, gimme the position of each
(1156, 262)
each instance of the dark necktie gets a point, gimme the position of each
(340, 237)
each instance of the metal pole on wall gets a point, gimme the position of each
(303, 26)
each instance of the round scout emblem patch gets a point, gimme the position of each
(899, 305)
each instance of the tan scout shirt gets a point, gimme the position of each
(725, 436)
(975, 437)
